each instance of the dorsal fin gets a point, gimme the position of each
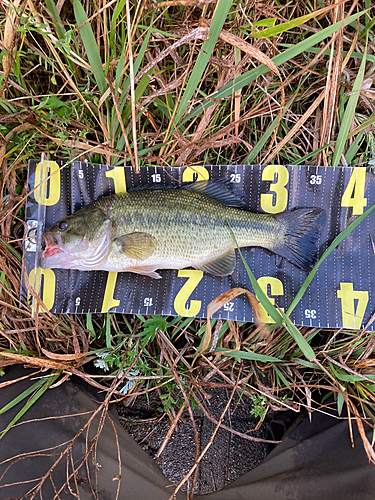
(220, 190)
(151, 187)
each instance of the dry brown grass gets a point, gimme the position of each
(305, 95)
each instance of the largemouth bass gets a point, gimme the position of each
(197, 225)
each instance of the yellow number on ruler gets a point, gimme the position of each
(354, 194)
(109, 301)
(277, 204)
(276, 288)
(351, 317)
(201, 173)
(118, 176)
(180, 302)
(41, 173)
(49, 285)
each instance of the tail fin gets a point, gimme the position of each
(301, 229)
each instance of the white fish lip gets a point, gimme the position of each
(83, 257)
(51, 249)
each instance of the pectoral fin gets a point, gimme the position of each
(138, 246)
(221, 266)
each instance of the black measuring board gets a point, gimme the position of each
(342, 294)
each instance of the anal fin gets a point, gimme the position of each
(145, 271)
(221, 266)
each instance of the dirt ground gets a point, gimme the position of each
(229, 457)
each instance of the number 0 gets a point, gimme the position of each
(48, 285)
(41, 174)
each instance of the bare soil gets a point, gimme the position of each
(229, 457)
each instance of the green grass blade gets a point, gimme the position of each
(21, 396)
(119, 68)
(281, 376)
(117, 11)
(138, 60)
(302, 159)
(314, 333)
(266, 23)
(221, 12)
(11, 250)
(43, 386)
(267, 134)
(280, 28)
(329, 250)
(369, 122)
(91, 48)
(262, 141)
(89, 325)
(282, 58)
(108, 336)
(139, 91)
(369, 21)
(298, 337)
(58, 24)
(181, 326)
(279, 59)
(340, 402)
(305, 363)
(316, 50)
(354, 148)
(329, 375)
(261, 296)
(349, 112)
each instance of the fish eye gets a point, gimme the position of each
(63, 225)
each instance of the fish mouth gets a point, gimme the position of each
(50, 246)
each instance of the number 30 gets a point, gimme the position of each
(274, 204)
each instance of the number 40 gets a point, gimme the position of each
(352, 316)
(354, 194)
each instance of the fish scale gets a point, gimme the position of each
(189, 225)
(194, 226)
